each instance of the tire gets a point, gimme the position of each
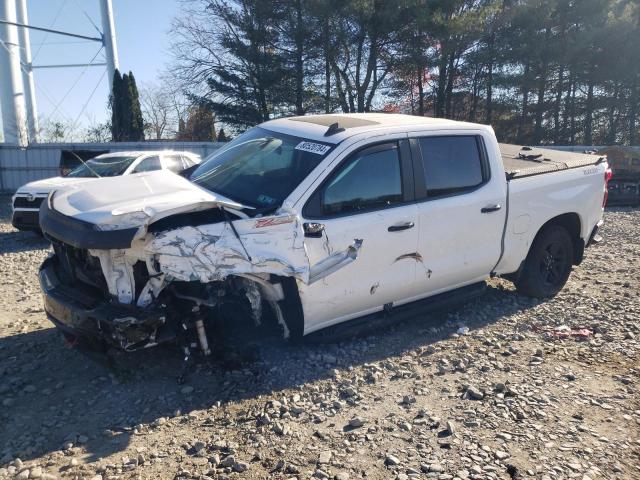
(548, 264)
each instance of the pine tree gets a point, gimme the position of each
(200, 125)
(136, 129)
(222, 137)
(251, 84)
(126, 115)
(117, 110)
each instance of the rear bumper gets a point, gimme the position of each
(594, 237)
(96, 321)
(26, 220)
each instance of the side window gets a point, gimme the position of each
(173, 163)
(369, 180)
(148, 164)
(451, 164)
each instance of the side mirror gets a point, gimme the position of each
(313, 230)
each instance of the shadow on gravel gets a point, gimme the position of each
(16, 241)
(52, 395)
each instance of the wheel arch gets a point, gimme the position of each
(573, 224)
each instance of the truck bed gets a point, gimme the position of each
(519, 161)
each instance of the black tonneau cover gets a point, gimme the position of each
(519, 161)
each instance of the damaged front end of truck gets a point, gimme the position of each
(183, 266)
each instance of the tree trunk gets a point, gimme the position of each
(564, 137)
(542, 84)
(612, 131)
(420, 93)
(558, 103)
(525, 104)
(573, 112)
(442, 83)
(327, 67)
(449, 91)
(474, 96)
(299, 60)
(633, 112)
(489, 106)
(588, 115)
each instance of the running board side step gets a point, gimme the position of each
(389, 316)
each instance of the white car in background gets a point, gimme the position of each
(26, 201)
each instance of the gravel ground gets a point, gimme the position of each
(505, 399)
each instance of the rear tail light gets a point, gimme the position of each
(608, 174)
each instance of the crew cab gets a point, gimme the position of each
(311, 222)
(27, 199)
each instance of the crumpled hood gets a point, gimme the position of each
(48, 184)
(135, 200)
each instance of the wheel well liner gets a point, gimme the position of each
(571, 222)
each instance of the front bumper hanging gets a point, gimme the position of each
(83, 315)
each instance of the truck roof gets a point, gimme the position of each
(521, 161)
(315, 127)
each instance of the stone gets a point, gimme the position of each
(500, 455)
(392, 460)
(324, 457)
(356, 422)
(240, 467)
(474, 393)
(36, 472)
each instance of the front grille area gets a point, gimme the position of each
(24, 202)
(79, 267)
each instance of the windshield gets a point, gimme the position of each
(260, 168)
(102, 167)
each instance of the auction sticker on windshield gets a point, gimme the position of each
(311, 147)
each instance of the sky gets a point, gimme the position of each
(143, 41)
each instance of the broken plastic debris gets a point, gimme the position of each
(564, 331)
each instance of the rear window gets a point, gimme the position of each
(451, 164)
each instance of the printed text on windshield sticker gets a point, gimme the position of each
(318, 148)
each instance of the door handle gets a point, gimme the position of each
(402, 226)
(312, 229)
(490, 208)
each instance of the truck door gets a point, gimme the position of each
(461, 211)
(364, 207)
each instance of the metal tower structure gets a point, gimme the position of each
(17, 86)
(14, 112)
(27, 72)
(109, 39)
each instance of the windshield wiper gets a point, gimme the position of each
(233, 228)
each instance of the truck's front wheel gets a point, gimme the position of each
(548, 264)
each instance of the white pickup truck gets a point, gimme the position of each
(308, 222)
